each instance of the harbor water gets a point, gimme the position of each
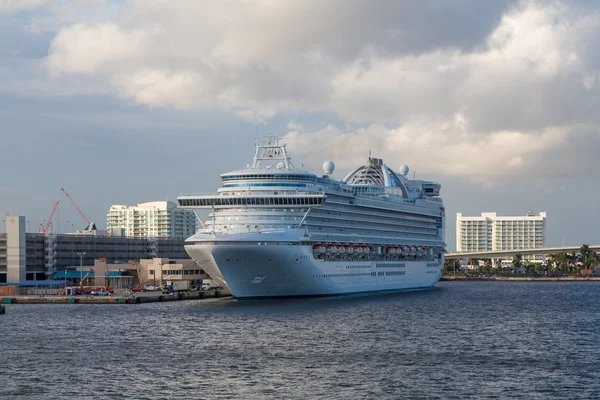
(484, 340)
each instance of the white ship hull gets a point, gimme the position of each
(286, 270)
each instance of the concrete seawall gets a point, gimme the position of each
(521, 278)
(131, 299)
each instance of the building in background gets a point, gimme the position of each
(159, 219)
(492, 232)
(33, 256)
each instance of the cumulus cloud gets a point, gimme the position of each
(477, 89)
(451, 148)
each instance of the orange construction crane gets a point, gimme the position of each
(107, 287)
(140, 286)
(45, 229)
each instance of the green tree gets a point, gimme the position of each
(451, 266)
(551, 261)
(540, 268)
(562, 262)
(517, 261)
(530, 267)
(573, 262)
(588, 257)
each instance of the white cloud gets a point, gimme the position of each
(294, 126)
(478, 92)
(450, 148)
(95, 48)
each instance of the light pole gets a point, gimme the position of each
(65, 281)
(160, 265)
(81, 254)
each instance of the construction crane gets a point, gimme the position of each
(108, 288)
(91, 226)
(140, 286)
(45, 229)
(91, 270)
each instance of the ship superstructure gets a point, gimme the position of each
(277, 231)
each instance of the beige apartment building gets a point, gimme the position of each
(158, 219)
(492, 232)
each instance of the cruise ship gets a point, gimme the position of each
(277, 231)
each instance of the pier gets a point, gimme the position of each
(115, 299)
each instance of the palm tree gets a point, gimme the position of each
(573, 262)
(517, 261)
(551, 261)
(474, 263)
(588, 257)
(562, 261)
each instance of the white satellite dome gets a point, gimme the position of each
(403, 169)
(328, 167)
(280, 165)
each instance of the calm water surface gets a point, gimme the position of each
(484, 340)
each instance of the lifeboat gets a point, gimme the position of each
(331, 249)
(390, 250)
(349, 250)
(413, 251)
(317, 248)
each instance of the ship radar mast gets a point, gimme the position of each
(272, 149)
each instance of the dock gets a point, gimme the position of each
(118, 299)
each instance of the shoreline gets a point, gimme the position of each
(522, 278)
(131, 299)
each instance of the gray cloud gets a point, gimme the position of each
(456, 81)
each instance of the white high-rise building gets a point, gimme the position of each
(159, 219)
(491, 232)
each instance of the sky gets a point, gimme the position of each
(128, 101)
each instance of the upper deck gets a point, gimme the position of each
(273, 174)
